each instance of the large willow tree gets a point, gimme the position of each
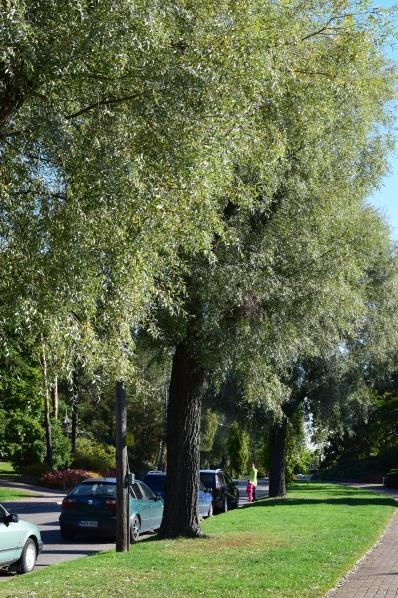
(287, 276)
(187, 167)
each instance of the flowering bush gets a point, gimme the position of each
(66, 478)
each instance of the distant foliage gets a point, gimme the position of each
(238, 449)
(208, 429)
(28, 446)
(94, 455)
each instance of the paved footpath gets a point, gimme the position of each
(376, 575)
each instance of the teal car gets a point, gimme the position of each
(90, 509)
(20, 542)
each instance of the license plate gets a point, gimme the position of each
(88, 524)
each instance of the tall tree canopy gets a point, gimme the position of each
(196, 169)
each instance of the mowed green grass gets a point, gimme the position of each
(9, 494)
(6, 468)
(7, 471)
(297, 547)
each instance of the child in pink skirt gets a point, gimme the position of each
(249, 491)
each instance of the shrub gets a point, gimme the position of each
(94, 455)
(61, 447)
(391, 479)
(370, 469)
(35, 471)
(26, 441)
(28, 445)
(66, 478)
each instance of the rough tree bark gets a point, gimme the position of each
(277, 483)
(180, 516)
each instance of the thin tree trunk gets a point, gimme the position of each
(160, 463)
(54, 398)
(277, 484)
(180, 516)
(75, 413)
(47, 420)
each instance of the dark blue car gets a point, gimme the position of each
(90, 509)
(156, 481)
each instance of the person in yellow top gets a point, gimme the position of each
(253, 479)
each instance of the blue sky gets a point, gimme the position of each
(386, 199)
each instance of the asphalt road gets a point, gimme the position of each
(44, 512)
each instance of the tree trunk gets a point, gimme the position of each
(122, 527)
(180, 516)
(160, 462)
(277, 485)
(75, 413)
(54, 398)
(47, 420)
(14, 89)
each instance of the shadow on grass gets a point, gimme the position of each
(336, 501)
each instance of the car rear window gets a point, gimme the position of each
(95, 489)
(207, 479)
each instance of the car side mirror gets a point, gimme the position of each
(11, 518)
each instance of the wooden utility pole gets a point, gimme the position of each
(122, 527)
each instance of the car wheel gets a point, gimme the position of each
(210, 511)
(135, 530)
(66, 535)
(28, 556)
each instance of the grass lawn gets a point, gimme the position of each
(7, 471)
(10, 494)
(297, 547)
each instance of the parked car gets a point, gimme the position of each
(20, 542)
(156, 480)
(90, 509)
(225, 492)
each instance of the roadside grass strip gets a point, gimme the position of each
(7, 471)
(294, 547)
(11, 494)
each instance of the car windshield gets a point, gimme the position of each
(95, 489)
(155, 482)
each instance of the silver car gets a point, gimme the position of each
(20, 542)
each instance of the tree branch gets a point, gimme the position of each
(103, 102)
